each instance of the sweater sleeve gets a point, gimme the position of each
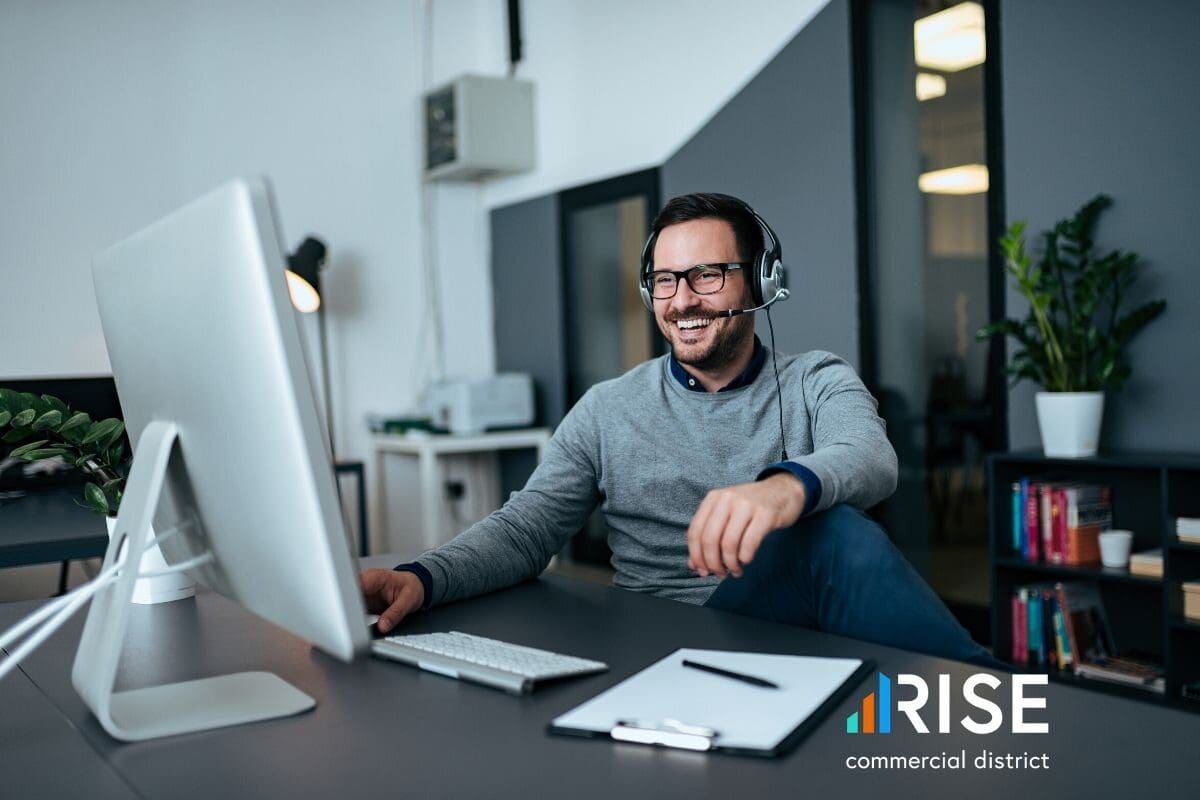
(852, 459)
(517, 541)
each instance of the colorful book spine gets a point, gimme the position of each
(1021, 639)
(1018, 515)
(1037, 653)
(1031, 517)
(1060, 636)
(1088, 511)
(1058, 526)
(1048, 646)
(1064, 609)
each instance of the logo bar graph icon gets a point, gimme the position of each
(875, 713)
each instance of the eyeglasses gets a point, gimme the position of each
(701, 279)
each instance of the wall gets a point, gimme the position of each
(1101, 97)
(621, 84)
(785, 144)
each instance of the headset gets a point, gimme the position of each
(767, 275)
(768, 279)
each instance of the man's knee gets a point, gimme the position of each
(846, 539)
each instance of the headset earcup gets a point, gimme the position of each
(647, 300)
(757, 287)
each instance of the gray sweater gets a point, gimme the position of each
(647, 450)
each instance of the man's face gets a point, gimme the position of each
(715, 341)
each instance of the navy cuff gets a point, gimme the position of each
(425, 577)
(812, 484)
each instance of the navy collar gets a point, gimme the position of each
(745, 378)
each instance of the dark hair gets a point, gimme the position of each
(709, 205)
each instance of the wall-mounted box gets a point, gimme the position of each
(478, 127)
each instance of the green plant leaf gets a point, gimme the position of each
(38, 455)
(25, 448)
(93, 495)
(51, 419)
(5, 416)
(23, 419)
(114, 436)
(16, 435)
(56, 405)
(101, 430)
(76, 419)
(8, 399)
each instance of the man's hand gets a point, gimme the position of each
(392, 595)
(731, 523)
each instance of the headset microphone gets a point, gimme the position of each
(781, 294)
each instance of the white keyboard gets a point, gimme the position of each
(510, 667)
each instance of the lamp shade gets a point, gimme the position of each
(304, 275)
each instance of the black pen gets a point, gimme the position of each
(737, 676)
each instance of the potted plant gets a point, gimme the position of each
(46, 427)
(1073, 340)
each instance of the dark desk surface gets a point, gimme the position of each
(381, 728)
(49, 525)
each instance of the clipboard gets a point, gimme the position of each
(670, 705)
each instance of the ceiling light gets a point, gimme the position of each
(951, 40)
(930, 86)
(966, 179)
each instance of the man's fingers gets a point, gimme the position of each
(398, 610)
(732, 537)
(695, 559)
(756, 531)
(374, 584)
(710, 540)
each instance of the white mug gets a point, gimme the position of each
(1115, 547)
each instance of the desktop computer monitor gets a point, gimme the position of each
(229, 456)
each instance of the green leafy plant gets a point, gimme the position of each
(45, 427)
(1074, 337)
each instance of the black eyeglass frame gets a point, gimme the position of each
(685, 274)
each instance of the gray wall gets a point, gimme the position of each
(528, 296)
(1101, 96)
(785, 145)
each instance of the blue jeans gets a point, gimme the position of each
(838, 571)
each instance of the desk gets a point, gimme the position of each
(49, 525)
(382, 729)
(428, 448)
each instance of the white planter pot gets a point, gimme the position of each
(1070, 423)
(162, 589)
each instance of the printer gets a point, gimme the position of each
(475, 405)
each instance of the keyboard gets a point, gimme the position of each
(512, 667)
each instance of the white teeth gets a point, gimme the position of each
(687, 324)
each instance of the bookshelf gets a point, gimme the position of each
(1149, 490)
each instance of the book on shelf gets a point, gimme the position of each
(1136, 672)
(1148, 564)
(1191, 600)
(1187, 529)
(1059, 522)
(1061, 627)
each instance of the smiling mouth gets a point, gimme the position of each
(693, 323)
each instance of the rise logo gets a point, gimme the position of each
(875, 711)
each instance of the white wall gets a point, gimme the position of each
(115, 113)
(622, 84)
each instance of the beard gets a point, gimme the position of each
(724, 340)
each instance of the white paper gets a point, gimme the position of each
(743, 715)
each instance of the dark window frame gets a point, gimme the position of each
(865, 208)
(647, 183)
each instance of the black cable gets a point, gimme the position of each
(778, 390)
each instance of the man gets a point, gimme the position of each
(682, 454)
